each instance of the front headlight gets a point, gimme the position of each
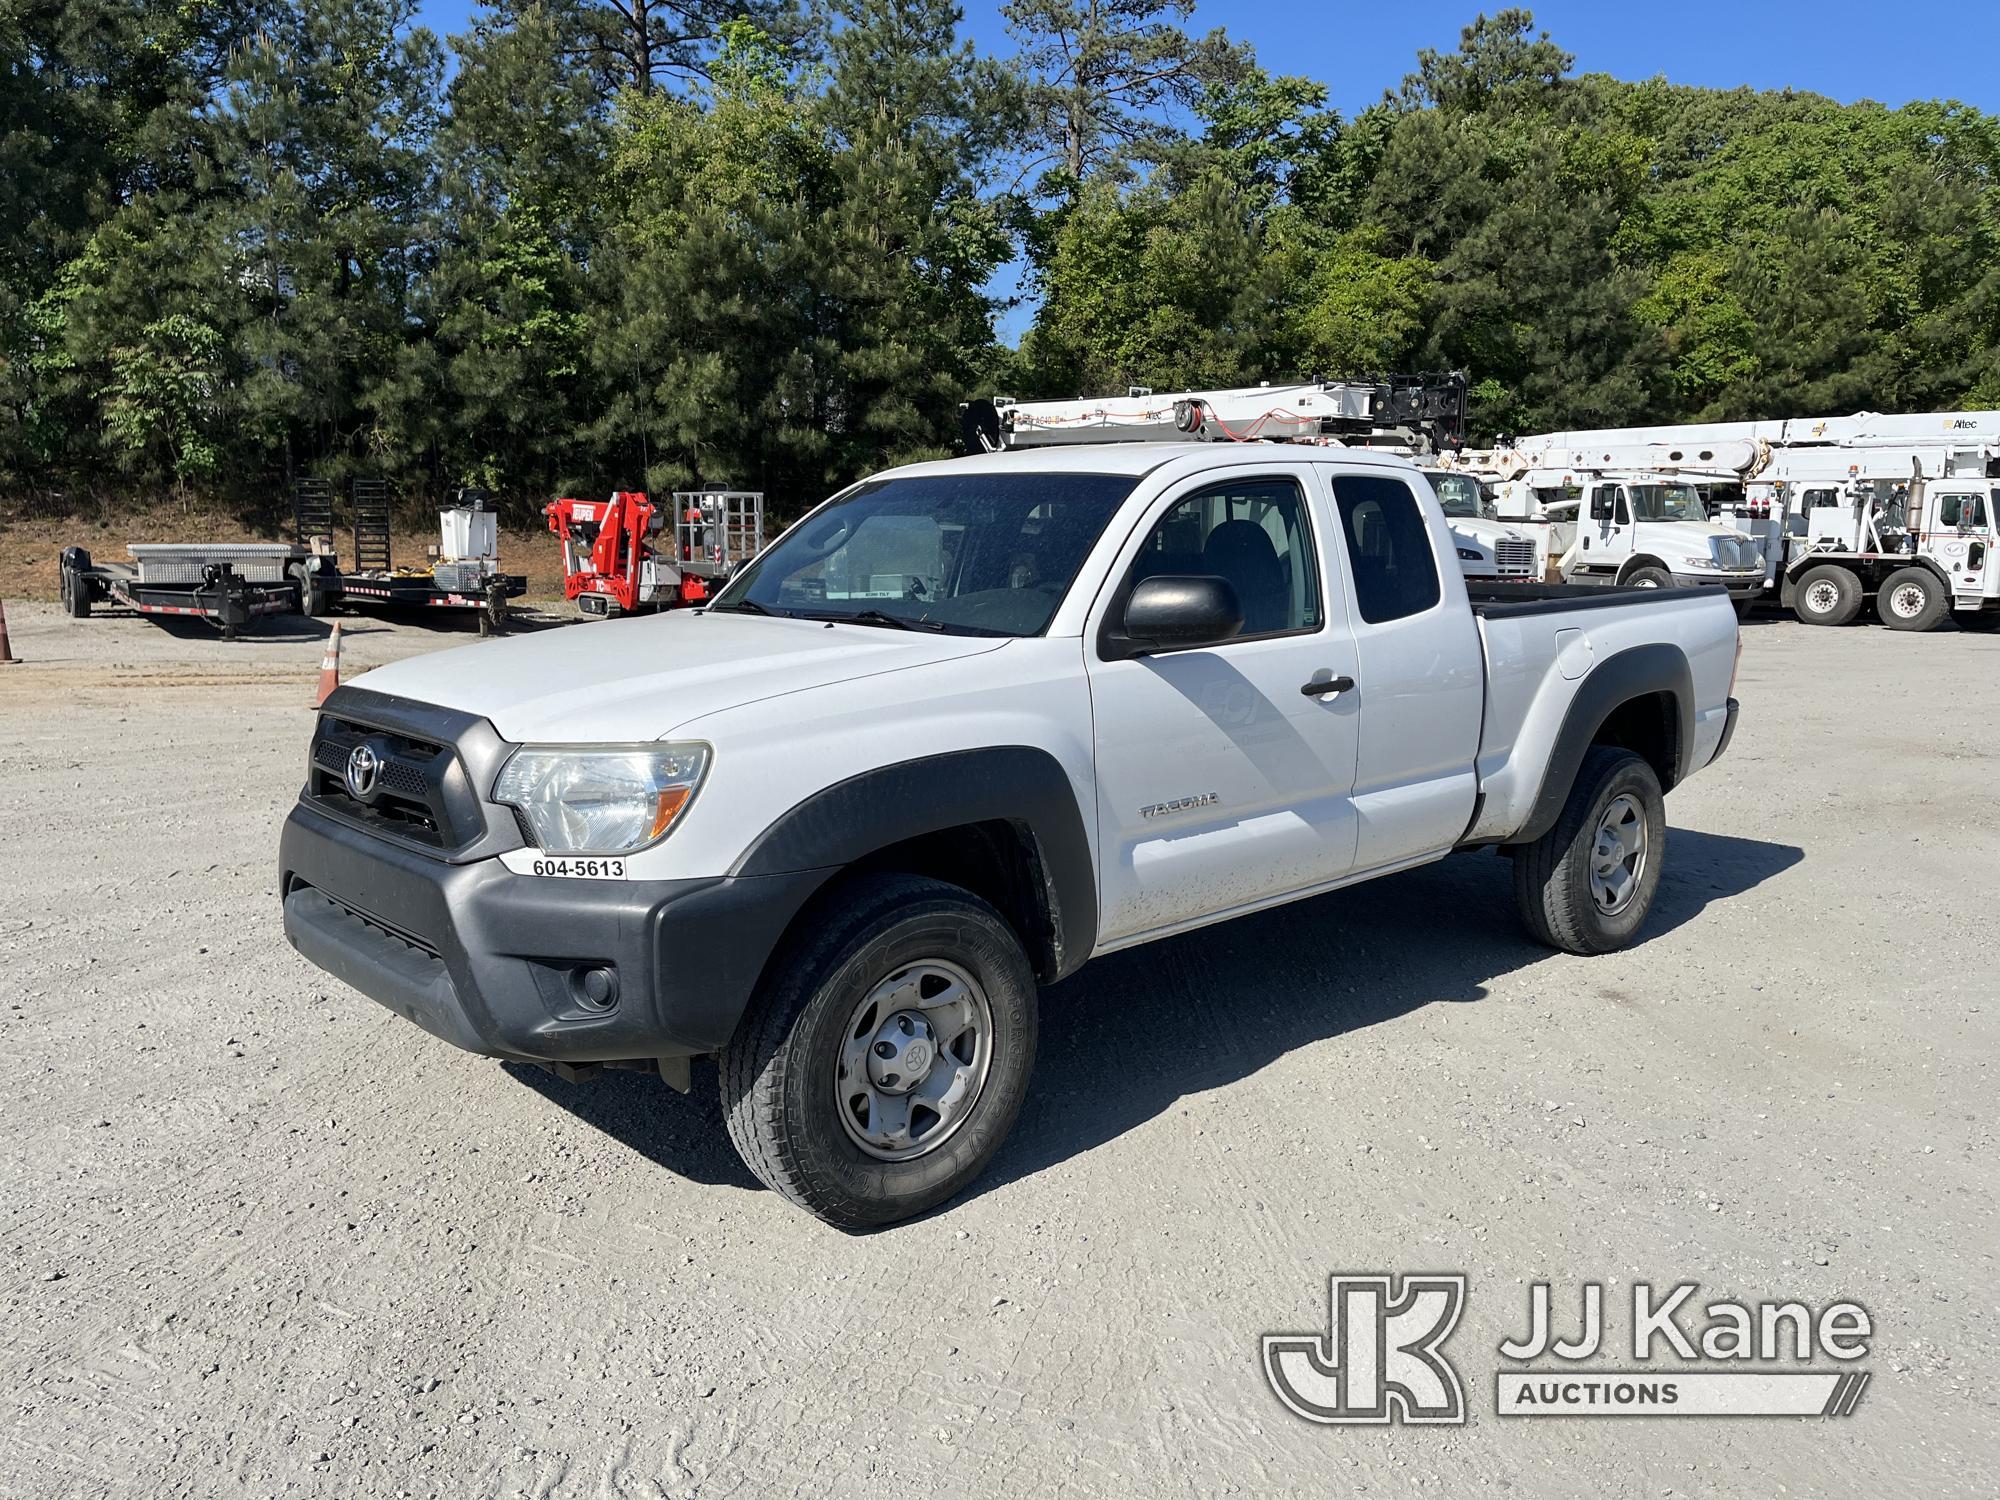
(601, 801)
(1471, 554)
(1706, 564)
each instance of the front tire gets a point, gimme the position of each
(1649, 577)
(1587, 885)
(886, 1054)
(1912, 599)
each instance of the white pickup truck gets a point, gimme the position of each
(964, 727)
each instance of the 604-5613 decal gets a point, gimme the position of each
(586, 869)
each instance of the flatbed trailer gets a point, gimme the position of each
(423, 589)
(462, 577)
(226, 584)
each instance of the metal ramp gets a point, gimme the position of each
(312, 510)
(370, 498)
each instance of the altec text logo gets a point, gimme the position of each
(1381, 1360)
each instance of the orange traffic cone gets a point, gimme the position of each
(7, 656)
(329, 666)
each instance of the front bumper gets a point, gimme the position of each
(492, 961)
(1737, 585)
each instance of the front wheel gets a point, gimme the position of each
(1649, 577)
(1587, 884)
(886, 1055)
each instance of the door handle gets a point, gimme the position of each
(1322, 687)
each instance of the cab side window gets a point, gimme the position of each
(1395, 571)
(1252, 532)
(1962, 510)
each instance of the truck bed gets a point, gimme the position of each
(1493, 601)
(1550, 646)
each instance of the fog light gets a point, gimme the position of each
(596, 988)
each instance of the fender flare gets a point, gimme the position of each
(1640, 560)
(1637, 672)
(1017, 784)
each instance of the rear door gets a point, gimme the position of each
(1421, 670)
(1222, 783)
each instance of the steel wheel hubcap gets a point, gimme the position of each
(1618, 855)
(913, 1060)
(1907, 601)
(1823, 597)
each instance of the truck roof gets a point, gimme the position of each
(1142, 458)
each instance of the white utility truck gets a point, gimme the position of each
(1900, 507)
(837, 835)
(1606, 521)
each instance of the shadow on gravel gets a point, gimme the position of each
(266, 628)
(682, 1132)
(1134, 1032)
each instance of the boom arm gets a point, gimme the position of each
(1425, 412)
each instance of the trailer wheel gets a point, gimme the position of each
(72, 566)
(886, 1054)
(1649, 577)
(312, 602)
(1912, 599)
(1827, 595)
(1587, 884)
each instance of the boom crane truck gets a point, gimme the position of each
(1900, 508)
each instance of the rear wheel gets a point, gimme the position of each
(886, 1055)
(1912, 599)
(1587, 884)
(1649, 577)
(1827, 595)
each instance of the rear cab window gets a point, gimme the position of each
(1388, 547)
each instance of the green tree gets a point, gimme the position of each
(525, 157)
(1101, 79)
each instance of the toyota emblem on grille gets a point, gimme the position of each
(364, 770)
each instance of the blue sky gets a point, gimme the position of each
(1846, 49)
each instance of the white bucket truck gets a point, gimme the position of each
(1900, 508)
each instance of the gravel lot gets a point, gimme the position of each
(259, 1237)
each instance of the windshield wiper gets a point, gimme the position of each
(744, 607)
(882, 618)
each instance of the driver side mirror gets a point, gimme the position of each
(1176, 613)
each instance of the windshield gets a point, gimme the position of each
(973, 554)
(1459, 494)
(1665, 502)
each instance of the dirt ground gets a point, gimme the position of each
(260, 1237)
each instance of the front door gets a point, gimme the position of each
(1962, 541)
(1225, 773)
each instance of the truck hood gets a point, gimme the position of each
(1487, 530)
(621, 681)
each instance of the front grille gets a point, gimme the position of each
(409, 797)
(1514, 558)
(432, 766)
